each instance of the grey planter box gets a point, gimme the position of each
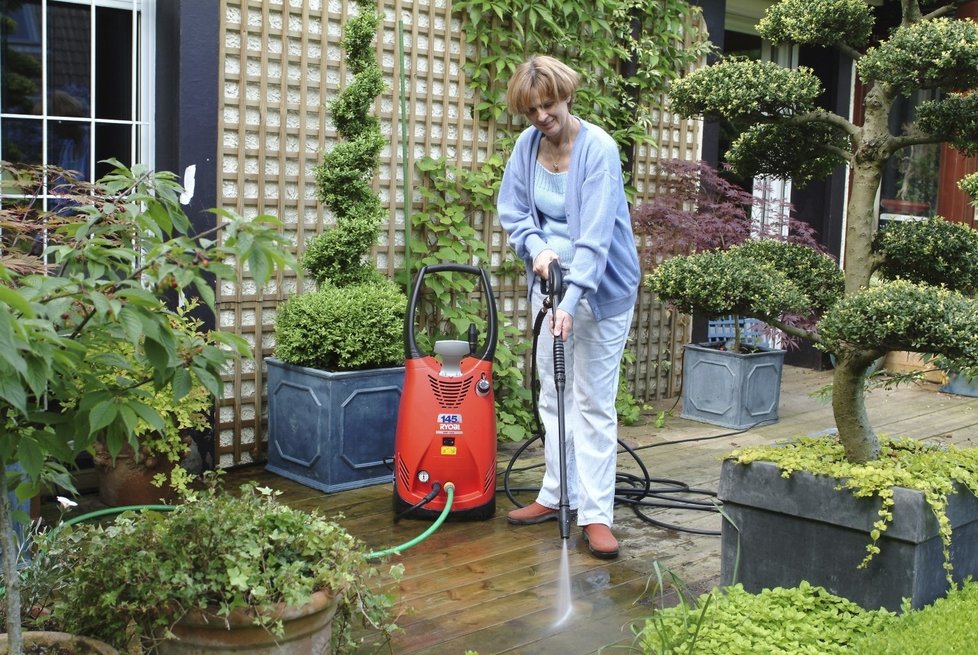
(961, 386)
(803, 528)
(734, 390)
(332, 430)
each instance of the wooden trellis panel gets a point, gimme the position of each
(282, 63)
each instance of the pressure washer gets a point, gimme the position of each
(446, 424)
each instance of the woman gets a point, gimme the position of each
(563, 198)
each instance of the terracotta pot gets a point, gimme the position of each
(128, 482)
(59, 643)
(307, 631)
(911, 207)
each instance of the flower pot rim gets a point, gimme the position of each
(245, 616)
(275, 361)
(718, 347)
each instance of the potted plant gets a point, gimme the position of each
(335, 381)
(923, 301)
(90, 270)
(41, 579)
(151, 471)
(735, 383)
(220, 571)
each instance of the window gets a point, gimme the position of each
(76, 83)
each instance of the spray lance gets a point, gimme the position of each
(553, 289)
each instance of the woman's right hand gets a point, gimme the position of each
(541, 265)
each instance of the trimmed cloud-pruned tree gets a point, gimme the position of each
(926, 274)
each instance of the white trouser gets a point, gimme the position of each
(592, 357)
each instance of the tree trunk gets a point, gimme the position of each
(848, 383)
(869, 157)
(861, 226)
(849, 408)
(10, 555)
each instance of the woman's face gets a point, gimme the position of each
(548, 115)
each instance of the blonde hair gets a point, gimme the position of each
(548, 78)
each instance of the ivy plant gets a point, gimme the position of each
(444, 230)
(731, 621)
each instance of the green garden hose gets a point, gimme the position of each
(450, 492)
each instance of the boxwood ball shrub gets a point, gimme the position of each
(348, 328)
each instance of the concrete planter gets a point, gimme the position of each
(734, 390)
(332, 430)
(785, 530)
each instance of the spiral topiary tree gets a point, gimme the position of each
(926, 303)
(354, 319)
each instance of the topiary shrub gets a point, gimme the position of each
(785, 134)
(347, 328)
(697, 210)
(354, 319)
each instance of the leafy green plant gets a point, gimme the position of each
(115, 249)
(935, 471)
(784, 133)
(181, 413)
(133, 578)
(731, 621)
(629, 410)
(946, 626)
(350, 328)
(969, 184)
(807, 619)
(674, 630)
(354, 318)
(42, 576)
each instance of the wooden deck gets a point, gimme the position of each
(491, 587)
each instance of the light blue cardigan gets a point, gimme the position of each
(605, 269)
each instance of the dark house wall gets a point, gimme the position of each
(187, 46)
(821, 203)
(714, 12)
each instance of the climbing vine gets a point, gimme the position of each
(455, 201)
(627, 52)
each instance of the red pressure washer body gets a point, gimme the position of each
(446, 426)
